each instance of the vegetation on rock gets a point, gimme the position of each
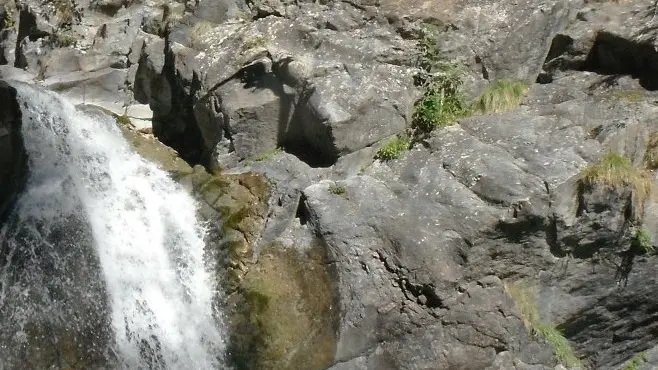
(643, 241)
(525, 301)
(651, 153)
(337, 189)
(442, 102)
(254, 42)
(393, 148)
(501, 96)
(637, 360)
(198, 33)
(631, 96)
(67, 12)
(7, 20)
(616, 170)
(123, 119)
(267, 155)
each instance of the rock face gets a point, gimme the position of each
(13, 162)
(485, 246)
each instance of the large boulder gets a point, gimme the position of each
(302, 83)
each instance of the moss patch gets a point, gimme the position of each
(524, 298)
(287, 314)
(631, 96)
(199, 33)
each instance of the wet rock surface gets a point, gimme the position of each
(13, 165)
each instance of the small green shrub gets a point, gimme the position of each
(642, 241)
(617, 170)
(443, 102)
(525, 301)
(337, 189)
(393, 148)
(123, 120)
(636, 361)
(502, 96)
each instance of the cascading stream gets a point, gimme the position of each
(93, 204)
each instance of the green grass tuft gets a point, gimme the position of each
(393, 148)
(617, 170)
(501, 96)
(525, 301)
(636, 361)
(564, 353)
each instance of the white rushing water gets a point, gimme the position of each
(143, 228)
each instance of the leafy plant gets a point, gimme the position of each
(502, 96)
(393, 148)
(442, 103)
(642, 241)
(524, 299)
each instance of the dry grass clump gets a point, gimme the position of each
(502, 96)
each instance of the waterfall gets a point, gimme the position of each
(103, 260)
